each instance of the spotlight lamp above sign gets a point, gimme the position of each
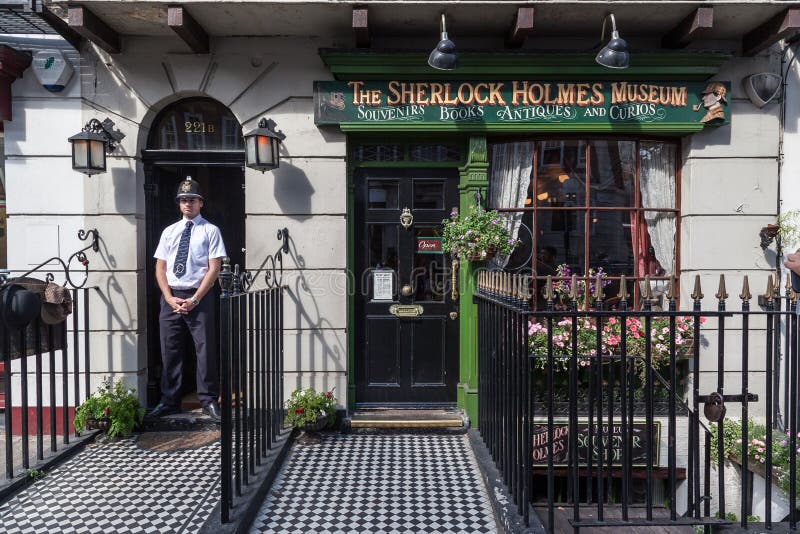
(262, 146)
(444, 56)
(92, 143)
(615, 54)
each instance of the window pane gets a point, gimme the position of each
(611, 242)
(382, 195)
(378, 153)
(428, 196)
(561, 174)
(520, 259)
(656, 243)
(382, 243)
(560, 234)
(429, 278)
(657, 174)
(612, 173)
(434, 153)
(196, 124)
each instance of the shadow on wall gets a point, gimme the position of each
(292, 191)
(324, 357)
(119, 313)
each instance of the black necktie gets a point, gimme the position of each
(183, 251)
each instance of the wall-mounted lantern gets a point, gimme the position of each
(262, 146)
(92, 143)
(615, 54)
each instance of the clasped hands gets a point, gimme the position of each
(181, 306)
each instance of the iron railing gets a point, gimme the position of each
(251, 378)
(37, 343)
(589, 459)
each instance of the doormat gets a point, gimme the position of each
(176, 441)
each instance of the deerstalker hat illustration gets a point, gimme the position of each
(19, 306)
(189, 189)
(716, 88)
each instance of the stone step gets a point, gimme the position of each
(411, 420)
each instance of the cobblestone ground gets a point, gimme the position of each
(156, 482)
(378, 483)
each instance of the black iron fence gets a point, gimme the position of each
(251, 378)
(669, 415)
(44, 338)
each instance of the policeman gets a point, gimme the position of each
(188, 261)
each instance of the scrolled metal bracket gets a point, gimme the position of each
(79, 255)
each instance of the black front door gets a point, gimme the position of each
(223, 189)
(406, 325)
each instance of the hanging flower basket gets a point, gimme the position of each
(479, 256)
(479, 236)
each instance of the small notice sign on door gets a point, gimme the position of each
(382, 285)
(429, 245)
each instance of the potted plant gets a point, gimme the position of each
(787, 227)
(478, 236)
(311, 411)
(112, 409)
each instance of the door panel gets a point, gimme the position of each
(404, 359)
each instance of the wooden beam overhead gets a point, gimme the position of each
(188, 29)
(689, 29)
(89, 25)
(361, 27)
(784, 24)
(523, 25)
(63, 29)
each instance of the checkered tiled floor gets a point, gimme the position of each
(120, 487)
(378, 483)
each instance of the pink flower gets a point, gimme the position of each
(612, 320)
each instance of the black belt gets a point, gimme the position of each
(183, 288)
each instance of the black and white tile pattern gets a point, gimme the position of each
(120, 487)
(378, 483)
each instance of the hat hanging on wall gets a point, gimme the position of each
(762, 88)
(19, 306)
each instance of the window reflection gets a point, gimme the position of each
(561, 174)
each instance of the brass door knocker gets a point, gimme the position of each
(406, 218)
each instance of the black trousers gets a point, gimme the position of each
(173, 328)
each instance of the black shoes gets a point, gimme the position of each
(161, 410)
(212, 410)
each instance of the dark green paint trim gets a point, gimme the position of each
(664, 66)
(474, 177)
(351, 299)
(675, 128)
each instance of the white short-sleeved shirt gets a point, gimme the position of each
(205, 243)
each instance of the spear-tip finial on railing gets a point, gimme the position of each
(623, 289)
(697, 294)
(573, 288)
(598, 288)
(672, 291)
(769, 295)
(722, 293)
(647, 291)
(745, 294)
(549, 295)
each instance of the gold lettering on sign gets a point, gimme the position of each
(198, 127)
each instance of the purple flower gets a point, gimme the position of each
(510, 241)
(469, 232)
(495, 221)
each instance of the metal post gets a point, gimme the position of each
(226, 281)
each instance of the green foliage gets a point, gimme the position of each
(789, 227)
(756, 448)
(35, 474)
(120, 405)
(610, 340)
(478, 235)
(306, 405)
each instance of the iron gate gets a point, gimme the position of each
(634, 417)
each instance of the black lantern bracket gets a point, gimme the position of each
(106, 129)
(270, 125)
